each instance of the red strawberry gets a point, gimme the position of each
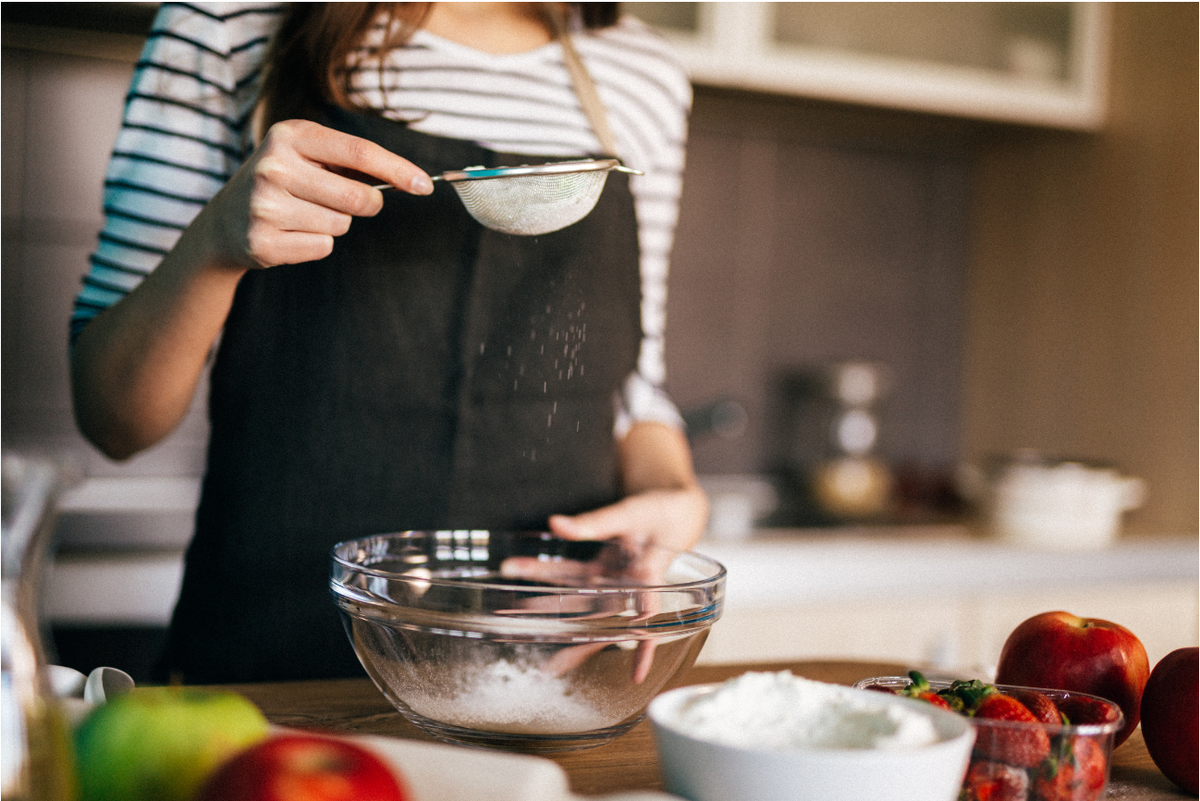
(995, 781)
(920, 688)
(1077, 774)
(1014, 744)
(882, 688)
(1039, 704)
(1081, 709)
(933, 698)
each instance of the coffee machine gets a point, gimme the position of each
(828, 466)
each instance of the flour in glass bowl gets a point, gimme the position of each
(780, 711)
(511, 697)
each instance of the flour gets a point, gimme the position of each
(779, 711)
(512, 697)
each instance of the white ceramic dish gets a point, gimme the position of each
(705, 771)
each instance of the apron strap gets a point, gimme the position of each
(585, 89)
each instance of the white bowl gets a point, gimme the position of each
(702, 770)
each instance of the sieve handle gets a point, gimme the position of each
(557, 167)
(389, 186)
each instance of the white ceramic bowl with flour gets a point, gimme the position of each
(778, 737)
(521, 640)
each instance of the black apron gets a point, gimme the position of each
(429, 374)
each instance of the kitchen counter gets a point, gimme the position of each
(938, 595)
(941, 596)
(629, 763)
(121, 544)
(795, 566)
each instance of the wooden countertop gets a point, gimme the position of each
(631, 761)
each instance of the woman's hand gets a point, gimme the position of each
(135, 367)
(664, 508)
(663, 504)
(672, 519)
(295, 194)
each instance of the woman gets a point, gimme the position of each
(384, 362)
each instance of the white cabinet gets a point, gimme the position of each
(938, 596)
(951, 633)
(1033, 63)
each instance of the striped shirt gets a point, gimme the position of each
(186, 130)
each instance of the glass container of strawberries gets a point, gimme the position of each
(1030, 744)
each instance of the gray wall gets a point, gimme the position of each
(810, 234)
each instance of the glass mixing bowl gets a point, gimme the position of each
(522, 640)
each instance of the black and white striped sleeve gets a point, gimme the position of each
(184, 134)
(648, 97)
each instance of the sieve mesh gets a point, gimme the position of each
(528, 201)
(529, 205)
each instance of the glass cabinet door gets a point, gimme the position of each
(1031, 62)
(1024, 40)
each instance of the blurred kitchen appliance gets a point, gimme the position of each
(36, 735)
(737, 504)
(1035, 501)
(831, 429)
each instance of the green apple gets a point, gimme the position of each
(161, 743)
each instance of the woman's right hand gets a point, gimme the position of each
(294, 194)
(136, 365)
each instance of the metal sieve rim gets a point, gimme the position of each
(553, 168)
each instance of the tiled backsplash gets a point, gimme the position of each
(805, 238)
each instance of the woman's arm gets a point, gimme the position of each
(134, 368)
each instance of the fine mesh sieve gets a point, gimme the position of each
(531, 200)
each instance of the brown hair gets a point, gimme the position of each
(310, 56)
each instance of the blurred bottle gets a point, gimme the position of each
(37, 757)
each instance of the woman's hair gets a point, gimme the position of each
(309, 60)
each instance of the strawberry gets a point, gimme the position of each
(1077, 773)
(995, 781)
(1040, 704)
(1022, 745)
(882, 688)
(919, 688)
(965, 696)
(933, 698)
(1080, 709)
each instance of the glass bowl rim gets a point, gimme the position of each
(1080, 729)
(715, 579)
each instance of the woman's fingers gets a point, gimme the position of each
(643, 660)
(564, 660)
(269, 247)
(671, 518)
(337, 153)
(294, 195)
(531, 568)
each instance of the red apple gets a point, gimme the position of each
(1061, 651)
(304, 767)
(1169, 714)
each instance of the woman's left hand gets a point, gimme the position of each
(663, 502)
(665, 508)
(669, 518)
